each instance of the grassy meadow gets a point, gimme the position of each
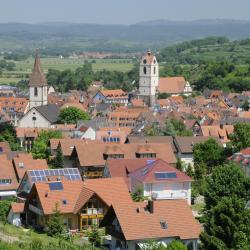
(23, 68)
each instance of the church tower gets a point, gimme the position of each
(149, 78)
(37, 85)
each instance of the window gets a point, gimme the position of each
(144, 61)
(145, 70)
(154, 70)
(33, 118)
(35, 91)
(5, 181)
(148, 155)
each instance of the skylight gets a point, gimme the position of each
(163, 224)
(165, 175)
(55, 186)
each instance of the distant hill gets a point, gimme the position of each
(155, 34)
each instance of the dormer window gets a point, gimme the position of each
(21, 165)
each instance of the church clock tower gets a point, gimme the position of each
(37, 86)
(149, 78)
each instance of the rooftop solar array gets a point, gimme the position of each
(166, 175)
(71, 174)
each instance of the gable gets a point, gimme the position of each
(34, 119)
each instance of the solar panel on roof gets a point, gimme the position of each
(165, 175)
(42, 175)
(55, 186)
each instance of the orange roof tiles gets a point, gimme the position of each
(94, 155)
(7, 173)
(77, 193)
(176, 213)
(172, 85)
(24, 162)
(114, 93)
(17, 207)
(16, 104)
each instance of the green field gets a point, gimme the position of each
(23, 68)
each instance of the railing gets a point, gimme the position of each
(93, 174)
(170, 195)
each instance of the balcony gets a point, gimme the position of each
(170, 195)
(94, 174)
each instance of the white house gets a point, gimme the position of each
(160, 180)
(40, 117)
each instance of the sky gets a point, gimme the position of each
(120, 11)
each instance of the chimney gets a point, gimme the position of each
(151, 206)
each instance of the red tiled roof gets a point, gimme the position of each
(7, 172)
(24, 162)
(17, 207)
(146, 174)
(172, 85)
(144, 225)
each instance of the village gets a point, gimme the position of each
(129, 163)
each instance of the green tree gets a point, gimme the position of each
(8, 133)
(55, 227)
(207, 155)
(189, 170)
(179, 164)
(40, 146)
(71, 115)
(137, 195)
(176, 245)
(58, 161)
(176, 127)
(95, 235)
(245, 105)
(241, 137)
(4, 208)
(226, 225)
(226, 181)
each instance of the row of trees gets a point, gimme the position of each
(83, 76)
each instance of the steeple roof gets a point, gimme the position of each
(37, 77)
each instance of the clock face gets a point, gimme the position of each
(144, 61)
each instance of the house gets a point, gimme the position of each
(157, 178)
(90, 158)
(174, 86)
(222, 132)
(124, 118)
(44, 175)
(67, 145)
(45, 116)
(15, 213)
(113, 135)
(81, 204)
(160, 180)
(24, 162)
(185, 144)
(243, 159)
(132, 225)
(8, 179)
(14, 107)
(115, 96)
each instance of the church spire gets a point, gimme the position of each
(37, 77)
